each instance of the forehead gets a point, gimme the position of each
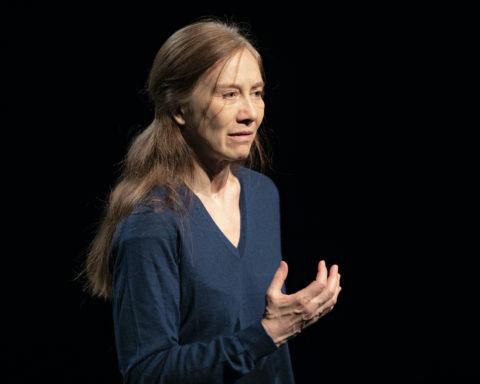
(241, 68)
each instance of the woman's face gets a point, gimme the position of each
(225, 110)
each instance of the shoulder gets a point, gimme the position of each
(148, 221)
(148, 231)
(258, 182)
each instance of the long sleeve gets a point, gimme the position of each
(146, 312)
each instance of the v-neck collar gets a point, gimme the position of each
(238, 250)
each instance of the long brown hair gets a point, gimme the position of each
(159, 155)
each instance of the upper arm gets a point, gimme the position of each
(145, 297)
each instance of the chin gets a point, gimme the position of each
(242, 155)
(236, 154)
(237, 157)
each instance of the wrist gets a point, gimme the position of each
(268, 329)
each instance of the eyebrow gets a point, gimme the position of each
(238, 86)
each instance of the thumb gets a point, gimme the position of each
(279, 278)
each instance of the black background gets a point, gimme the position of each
(369, 174)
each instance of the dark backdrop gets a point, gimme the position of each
(361, 160)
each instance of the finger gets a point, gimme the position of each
(319, 291)
(333, 277)
(279, 278)
(327, 310)
(335, 297)
(312, 321)
(322, 272)
(319, 315)
(333, 270)
(312, 290)
(329, 291)
(329, 304)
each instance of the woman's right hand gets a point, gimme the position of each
(287, 315)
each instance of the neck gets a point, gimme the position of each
(213, 180)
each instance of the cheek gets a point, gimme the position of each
(214, 131)
(260, 112)
(221, 122)
(260, 108)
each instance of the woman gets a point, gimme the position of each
(189, 250)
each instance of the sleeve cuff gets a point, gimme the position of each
(256, 341)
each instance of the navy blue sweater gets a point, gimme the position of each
(187, 303)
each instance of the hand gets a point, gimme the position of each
(287, 315)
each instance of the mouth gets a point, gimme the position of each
(241, 133)
(241, 136)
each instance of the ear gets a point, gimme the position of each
(179, 117)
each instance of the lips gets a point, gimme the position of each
(241, 137)
(240, 133)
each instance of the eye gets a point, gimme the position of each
(260, 93)
(229, 95)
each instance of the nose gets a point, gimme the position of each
(247, 112)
